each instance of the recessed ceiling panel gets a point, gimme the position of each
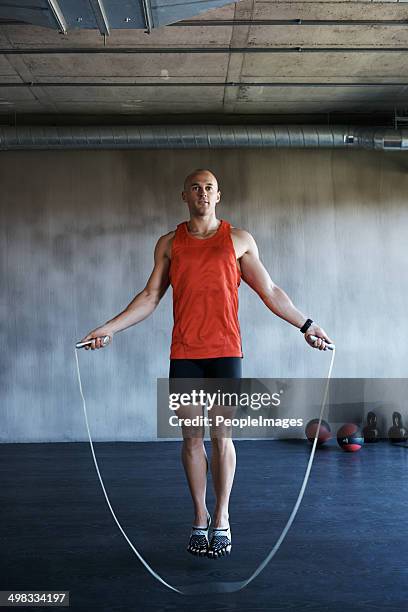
(103, 15)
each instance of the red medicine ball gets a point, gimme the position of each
(350, 438)
(324, 431)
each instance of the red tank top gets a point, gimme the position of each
(205, 278)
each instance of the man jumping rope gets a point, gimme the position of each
(204, 260)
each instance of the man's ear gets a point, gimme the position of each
(218, 196)
(183, 195)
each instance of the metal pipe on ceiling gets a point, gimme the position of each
(201, 137)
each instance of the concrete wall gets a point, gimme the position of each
(77, 236)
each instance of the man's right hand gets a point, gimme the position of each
(97, 335)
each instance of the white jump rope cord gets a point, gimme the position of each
(138, 555)
(288, 525)
(285, 530)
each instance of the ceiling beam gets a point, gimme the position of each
(301, 84)
(147, 16)
(203, 50)
(100, 16)
(58, 15)
(266, 22)
(289, 22)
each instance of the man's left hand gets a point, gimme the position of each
(322, 337)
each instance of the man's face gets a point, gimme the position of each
(201, 194)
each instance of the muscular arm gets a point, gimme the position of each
(144, 303)
(256, 276)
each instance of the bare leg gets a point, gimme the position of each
(223, 462)
(195, 464)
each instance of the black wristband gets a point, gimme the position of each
(306, 326)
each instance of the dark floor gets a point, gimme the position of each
(348, 547)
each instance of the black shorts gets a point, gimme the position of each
(227, 368)
(215, 367)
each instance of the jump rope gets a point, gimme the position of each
(211, 587)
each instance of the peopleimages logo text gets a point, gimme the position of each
(201, 398)
(259, 421)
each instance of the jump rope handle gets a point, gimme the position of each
(331, 347)
(105, 341)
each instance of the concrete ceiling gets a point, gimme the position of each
(234, 61)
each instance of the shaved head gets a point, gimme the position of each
(189, 179)
(201, 192)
